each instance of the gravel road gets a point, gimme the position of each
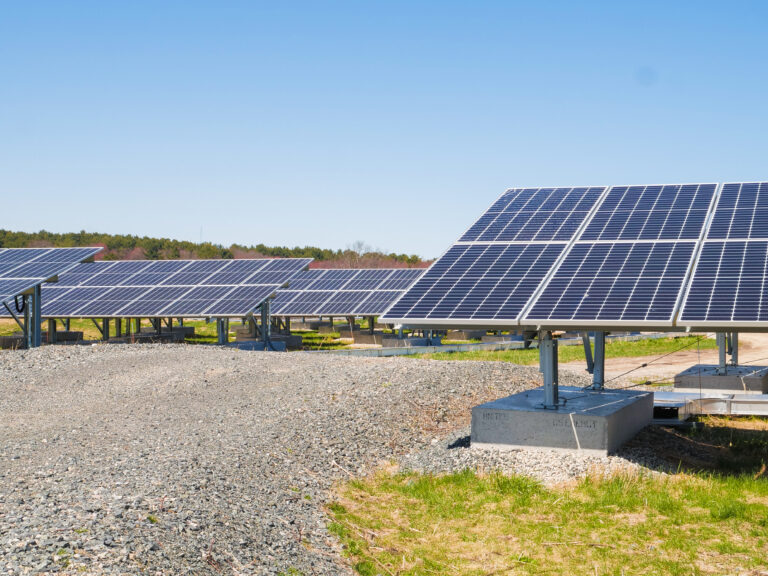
(168, 459)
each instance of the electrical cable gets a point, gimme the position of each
(656, 360)
(19, 309)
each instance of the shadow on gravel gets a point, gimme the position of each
(462, 442)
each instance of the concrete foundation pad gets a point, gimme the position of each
(746, 379)
(368, 338)
(491, 338)
(592, 422)
(393, 342)
(258, 346)
(464, 334)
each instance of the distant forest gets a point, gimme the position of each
(124, 247)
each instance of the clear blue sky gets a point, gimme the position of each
(395, 123)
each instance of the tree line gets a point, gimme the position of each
(128, 247)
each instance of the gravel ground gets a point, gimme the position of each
(165, 459)
(453, 454)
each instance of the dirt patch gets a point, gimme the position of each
(752, 346)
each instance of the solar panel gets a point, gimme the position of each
(24, 268)
(630, 265)
(729, 284)
(343, 292)
(160, 288)
(489, 275)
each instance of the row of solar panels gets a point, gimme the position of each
(215, 288)
(670, 255)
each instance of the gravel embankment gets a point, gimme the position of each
(164, 459)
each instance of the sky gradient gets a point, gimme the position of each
(394, 123)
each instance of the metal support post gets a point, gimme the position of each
(371, 323)
(548, 361)
(27, 322)
(288, 324)
(51, 331)
(598, 373)
(265, 327)
(588, 352)
(104, 328)
(734, 348)
(399, 332)
(66, 324)
(37, 321)
(222, 330)
(118, 327)
(722, 346)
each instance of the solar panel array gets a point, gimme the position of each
(490, 274)
(660, 256)
(24, 268)
(630, 264)
(730, 281)
(165, 288)
(343, 292)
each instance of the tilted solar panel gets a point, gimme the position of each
(488, 277)
(343, 292)
(24, 268)
(630, 265)
(729, 285)
(160, 288)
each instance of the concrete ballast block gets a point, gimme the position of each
(594, 422)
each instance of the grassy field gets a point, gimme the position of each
(613, 349)
(691, 523)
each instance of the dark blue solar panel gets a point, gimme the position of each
(741, 212)
(670, 212)
(377, 302)
(478, 282)
(344, 302)
(333, 279)
(538, 214)
(367, 280)
(342, 292)
(197, 301)
(247, 298)
(302, 303)
(729, 283)
(23, 268)
(402, 279)
(616, 282)
(170, 288)
(153, 301)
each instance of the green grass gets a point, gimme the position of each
(314, 341)
(711, 518)
(613, 349)
(466, 524)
